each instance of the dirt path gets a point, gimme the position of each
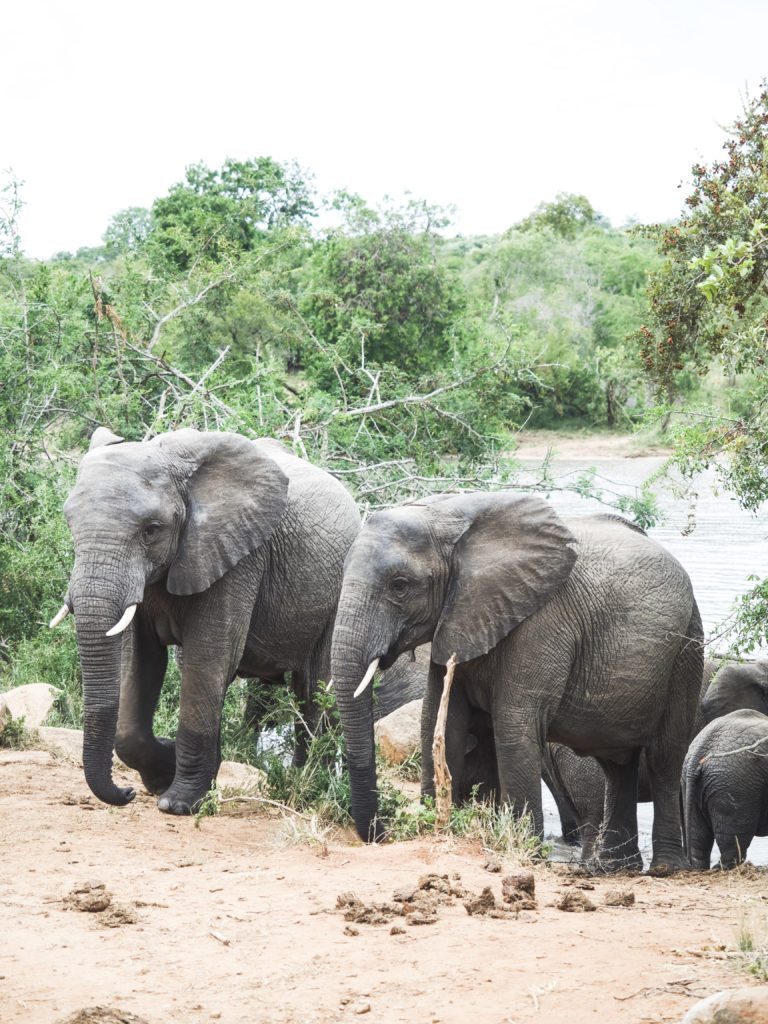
(234, 925)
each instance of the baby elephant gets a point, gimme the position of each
(725, 788)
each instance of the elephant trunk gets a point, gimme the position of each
(98, 605)
(349, 662)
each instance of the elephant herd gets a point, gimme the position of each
(578, 642)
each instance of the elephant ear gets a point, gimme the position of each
(102, 436)
(236, 496)
(509, 560)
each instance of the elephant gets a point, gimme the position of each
(736, 686)
(583, 632)
(578, 783)
(229, 548)
(725, 788)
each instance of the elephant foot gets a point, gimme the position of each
(181, 798)
(665, 864)
(158, 774)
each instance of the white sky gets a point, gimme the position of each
(490, 106)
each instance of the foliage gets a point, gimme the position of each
(567, 214)
(398, 359)
(14, 735)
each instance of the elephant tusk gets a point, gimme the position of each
(124, 622)
(330, 685)
(367, 677)
(59, 617)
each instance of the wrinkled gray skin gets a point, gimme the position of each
(232, 549)
(725, 794)
(736, 686)
(578, 783)
(571, 632)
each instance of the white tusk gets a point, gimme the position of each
(124, 622)
(330, 685)
(59, 617)
(367, 677)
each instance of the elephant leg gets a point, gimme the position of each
(305, 681)
(144, 663)
(699, 834)
(210, 661)
(618, 847)
(733, 842)
(307, 722)
(456, 733)
(666, 753)
(519, 755)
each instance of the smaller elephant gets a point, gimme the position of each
(725, 788)
(736, 685)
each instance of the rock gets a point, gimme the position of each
(492, 864)
(732, 1006)
(399, 734)
(33, 703)
(242, 777)
(66, 743)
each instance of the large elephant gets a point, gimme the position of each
(585, 633)
(725, 788)
(231, 548)
(578, 783)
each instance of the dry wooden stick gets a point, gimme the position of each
(443, 779)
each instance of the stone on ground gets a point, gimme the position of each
(732, 1006)
(243, 777)
(66, 743)
(32, 702)
(399, 734)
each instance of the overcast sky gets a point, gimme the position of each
(489, 106)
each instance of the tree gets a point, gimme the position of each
(567, 215)
(378, 283)
(708, 303)
(226, 212)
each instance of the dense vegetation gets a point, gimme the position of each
(399, 357)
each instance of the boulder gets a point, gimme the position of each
(732, 1006)
(399, 734)
(242, 777)
(32, 703)
(66, 743)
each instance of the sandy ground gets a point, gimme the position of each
(534, 444)
(233, 923)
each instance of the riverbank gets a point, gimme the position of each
(236, 920)
(534, 444)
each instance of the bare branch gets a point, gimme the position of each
(193, 300)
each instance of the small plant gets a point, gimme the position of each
(499, 828)
(210, 805)
(408, 770)
(752, 947)
(15, 736)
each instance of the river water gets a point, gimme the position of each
(725, 547)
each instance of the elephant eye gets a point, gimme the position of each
(151, 530)
(399, 585)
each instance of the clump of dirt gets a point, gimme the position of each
(366, 913)
(493, 864)
(481, 904)
(95, 898)
(102, 1015)
(574, 902)
(519, 890)
(619, 898)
